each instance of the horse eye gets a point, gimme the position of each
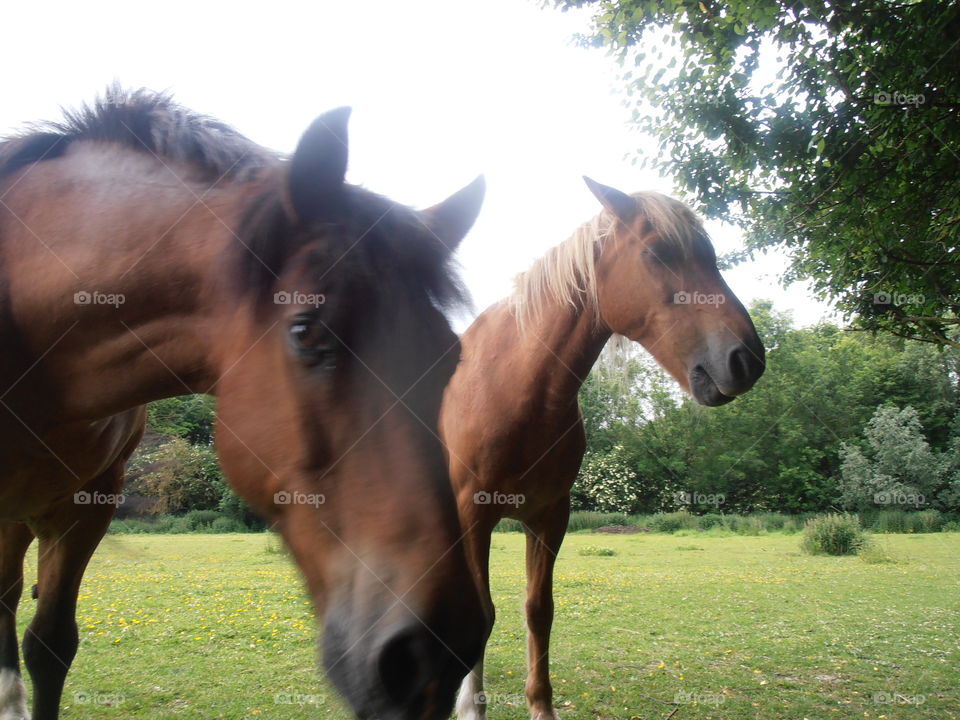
(302, 331)
(312, 342)
(305, 333)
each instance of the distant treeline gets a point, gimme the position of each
(840, 420)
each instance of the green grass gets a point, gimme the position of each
(215, 626)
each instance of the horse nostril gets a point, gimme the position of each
(404, 666)
(745, 365)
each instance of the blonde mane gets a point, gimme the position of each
(567, 273)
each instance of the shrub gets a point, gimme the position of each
(705, 522)
(671, 522)
(888, 521)
(771, 521)
(833, 535)
(227, 525)
(199, 519)
(751, 525)
(177, 476)
(586, 520)
(952, 526)
(609, 481)
(791, 526)
(508, 525)
(236, 508)
(926, 521)
(596, 551)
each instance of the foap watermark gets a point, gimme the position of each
(898, 299)
(283, 698)
(898, 99)
(85, 297)
(286, 497)
(299, 298)
(483, 497)
(485, 697)
(896, 698)
(683, 497)
(896, 497)
(698, 298)
(685, 697)
(98, 498)
(98, 698)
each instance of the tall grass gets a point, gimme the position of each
(883, 521)
(833, 534)
(887, 521)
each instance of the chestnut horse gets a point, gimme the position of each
(644, 269)
(146, 252)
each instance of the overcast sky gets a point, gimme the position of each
(442, 90)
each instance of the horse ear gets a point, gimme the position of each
(619, 203)
(452, 219)
(318, 168)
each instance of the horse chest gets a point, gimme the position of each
(34, 468)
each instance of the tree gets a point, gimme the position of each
(189, 416)
(178, 476)
(896, 467)
(827, 126)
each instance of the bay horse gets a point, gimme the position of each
(147, 251)
(645, 269)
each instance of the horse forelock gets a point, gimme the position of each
(567, 275)
(384, 242)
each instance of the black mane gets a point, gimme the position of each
(395, 242)
(376, 236)
(146, 121)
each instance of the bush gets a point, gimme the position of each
(887, 521)
(587, 520)
(609, 481)
(227, 525)
(952, 526)
(902, 521)
(508, 525)
(199, 519)
(833, 535)
(596, 551)
(927, 521)
(705, 522)
(671, 522)
(236, 508)
(791, 526)
(751, 525)
(177, 476)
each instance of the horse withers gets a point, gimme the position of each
(644, 269)
(147, 251)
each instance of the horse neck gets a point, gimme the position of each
(562, 345)
(164, 254)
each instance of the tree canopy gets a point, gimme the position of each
(783, 445)
(829, 127)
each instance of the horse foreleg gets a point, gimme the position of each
(544, 537)
(472, 700)
(14, 541)
(68, 537)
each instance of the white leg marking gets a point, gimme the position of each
(13, 696)
(472, 701)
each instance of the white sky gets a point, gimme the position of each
(442, 90)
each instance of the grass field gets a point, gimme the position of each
(217, 626)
